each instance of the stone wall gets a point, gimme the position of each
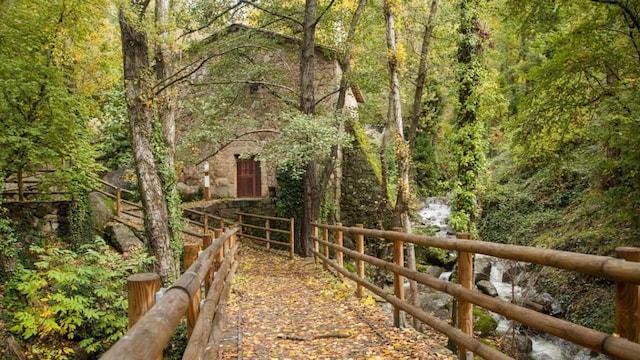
(51, 218)
(362, 194)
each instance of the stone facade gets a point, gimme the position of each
(260, 103)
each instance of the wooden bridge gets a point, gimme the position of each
(304, 320)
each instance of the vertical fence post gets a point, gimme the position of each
(267, 234)
(207, 178)
(118, 202)
(316, 245)
(205, 222)
(239, 226)
(628, 300)
(190, 256)
(291, 236)
(339, 254)
(325, 237)
(141, 290)
(207, 240)
(360, 262)
(398, 281)
(465, 308)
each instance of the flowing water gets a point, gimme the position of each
(435, 212)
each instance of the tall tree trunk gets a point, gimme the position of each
(395, 123)
(413, 129)
(139, 97)
(469, 138)
(163, 69)
(307, 104)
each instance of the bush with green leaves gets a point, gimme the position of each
(71, 299)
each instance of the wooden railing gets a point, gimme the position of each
(264, 233)
(150, 332)
(21, 193)
(208, 220)
(625, 273)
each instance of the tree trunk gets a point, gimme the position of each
(139, 97)
(312, 197)
(163, 69)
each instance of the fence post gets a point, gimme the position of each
(141, 290)
(267, 234)
(360, 262)
(291, 236)
(398, 280)
(190, 256)
(325, 237)
(239, 226)
(205, 226)
(207, 240)
(316, 245)
(207, 185)
(118, 202)
(628, 300)
(339, 254)
(465, 308)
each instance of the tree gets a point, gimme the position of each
(46, 100)
(152, 154)
(469, 141)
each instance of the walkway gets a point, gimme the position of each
(293, 309)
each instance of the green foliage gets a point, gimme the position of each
(290, 195)
(69, 298)
(304, 138)
(46, 101)
(81, 227)
(115, 138)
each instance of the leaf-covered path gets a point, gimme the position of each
(293, 309)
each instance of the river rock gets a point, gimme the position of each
(523, 344)
(482, 269)
(100, 212)
(121, 237)
(550, 305)
(486, 287)
(122, 178)
(433, 301)
(512, 273)
(434, 271)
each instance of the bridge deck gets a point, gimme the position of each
(293, 309)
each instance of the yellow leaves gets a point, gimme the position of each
(368, 301)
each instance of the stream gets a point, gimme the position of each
(435, 212)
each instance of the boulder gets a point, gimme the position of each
(523, 344)
(487, 288)
(122, 178)
(549, 304)
(434, 302)
(434, 271)
(122, 237)
(100, 212)
(188, 192)
(482, 269)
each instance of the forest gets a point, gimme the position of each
(523, 115)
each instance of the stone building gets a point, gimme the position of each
(231, 107)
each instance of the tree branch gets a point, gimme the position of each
(270, 12)
(250, 82)
(327, 96)
(200, 63)
(324, 12)
(237, 138)
(211, 20)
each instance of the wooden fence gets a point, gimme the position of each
(151, 331)
(263, 233)
(625, 273)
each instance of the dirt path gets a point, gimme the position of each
(292, 309)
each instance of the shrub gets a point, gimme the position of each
(71, 299)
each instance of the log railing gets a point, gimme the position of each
(249, 229)
(625, 273)
(207, 220)
(150, 333)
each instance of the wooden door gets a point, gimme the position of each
(248, 178)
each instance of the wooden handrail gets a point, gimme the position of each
(605, 266)
(147, 338)
(595, 340)
(264, 217)
(268, 229)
